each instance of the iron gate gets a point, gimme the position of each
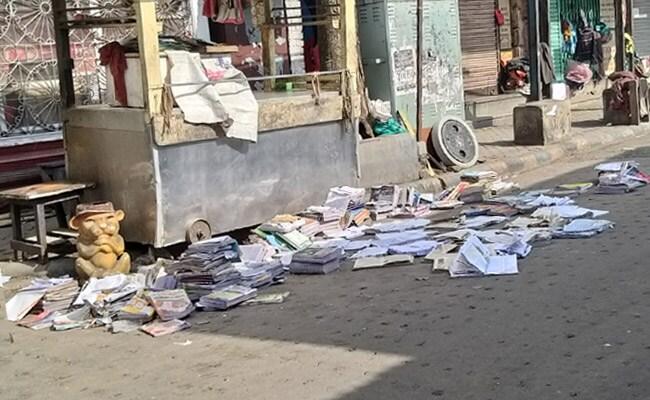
(29, 90)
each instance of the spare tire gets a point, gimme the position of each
(454, 142)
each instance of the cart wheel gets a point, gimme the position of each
(454, 142)
(198, 230)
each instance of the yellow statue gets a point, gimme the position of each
(100, 248)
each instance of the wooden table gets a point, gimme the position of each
(37, 197)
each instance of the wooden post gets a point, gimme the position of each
(268, 46)
(628, 30)
(64, 61)
(534, 76)
(350, 44)
(418, 64)
(619, 39)
(147, 29)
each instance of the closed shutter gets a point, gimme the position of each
(641, 27)
(478, 41)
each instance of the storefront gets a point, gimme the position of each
(479, 45)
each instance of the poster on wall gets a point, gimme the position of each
(404, 70)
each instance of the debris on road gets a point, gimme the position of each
(486, 228)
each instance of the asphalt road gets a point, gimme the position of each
(572, 325)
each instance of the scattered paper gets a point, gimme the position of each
(22, 303)
(267, 298)
(378, 262)
(476, 259)
(418, 249)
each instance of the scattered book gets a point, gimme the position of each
(160, 328)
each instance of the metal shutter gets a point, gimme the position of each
(478, 38)
(641, 27)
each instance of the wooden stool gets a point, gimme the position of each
(37, 197)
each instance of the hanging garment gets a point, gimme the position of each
(546, 64)
(230, 12)
(499, 18)
(210, 8)
(112, 55)
(310, 38)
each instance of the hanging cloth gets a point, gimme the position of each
(112, 55)
(230, 12)
(209, 8)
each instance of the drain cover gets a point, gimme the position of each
(454, 142)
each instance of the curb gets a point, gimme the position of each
(598, 138)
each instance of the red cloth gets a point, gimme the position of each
(210, 8)
(312, 55)
(499, 18)
(113, 56)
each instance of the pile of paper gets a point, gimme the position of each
(583, 228)
(316, 261)
(282, 223)
(330, 219)
(383, 200)
(620, 177)
(170, 304)
(345, 198)
(226, 298)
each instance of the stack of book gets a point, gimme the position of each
(329, 218)
(260, 274)
(206, 266)
(226, 298)
(171, 304)
(316, 261)
(60, 296)
(345, 197)
(137, 310)
(310, 228)
(383, 200)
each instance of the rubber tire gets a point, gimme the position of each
(442, 153)
(195, 226)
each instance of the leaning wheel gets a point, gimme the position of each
(198, 230)
(454, 142)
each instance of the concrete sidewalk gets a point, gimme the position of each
(499, 153)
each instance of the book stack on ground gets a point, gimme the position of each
(60, 296)
(261, 274)
(226, 298)
(171, 304)
(207, 266)
(316, 261)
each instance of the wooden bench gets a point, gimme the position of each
(37, 197)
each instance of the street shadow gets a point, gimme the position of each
(537, 335)
(500, 143)
(507, 337)
(588, 124)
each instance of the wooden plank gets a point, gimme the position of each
(273, 115)
(147, 28)
(64, 64)
(42, 190)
